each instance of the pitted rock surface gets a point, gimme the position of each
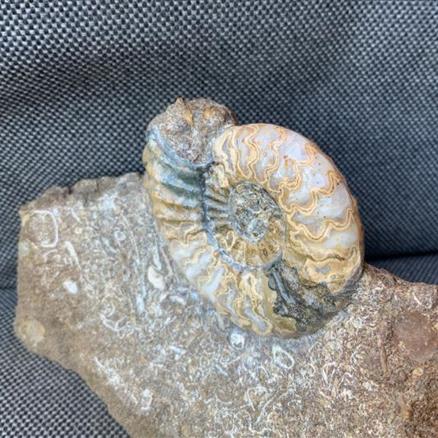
(98, 295)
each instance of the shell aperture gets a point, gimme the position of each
(256, 217)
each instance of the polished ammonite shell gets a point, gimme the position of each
(256, 217)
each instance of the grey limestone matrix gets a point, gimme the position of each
(224, 293)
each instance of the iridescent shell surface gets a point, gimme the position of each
(256, 217)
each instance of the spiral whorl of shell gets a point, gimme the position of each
(256, 217)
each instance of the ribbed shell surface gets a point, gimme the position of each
(314, 227)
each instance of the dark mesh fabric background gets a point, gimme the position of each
(79, 80)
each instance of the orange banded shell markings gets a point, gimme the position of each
(262, 224)
(321, 216)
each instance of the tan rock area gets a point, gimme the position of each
(98, 295)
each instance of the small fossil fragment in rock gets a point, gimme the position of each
(256, 217)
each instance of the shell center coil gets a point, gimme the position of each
(252, 209)
(244, 223)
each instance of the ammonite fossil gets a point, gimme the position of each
(256, 217)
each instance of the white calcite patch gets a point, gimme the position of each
(155, 278)
(71, 287)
